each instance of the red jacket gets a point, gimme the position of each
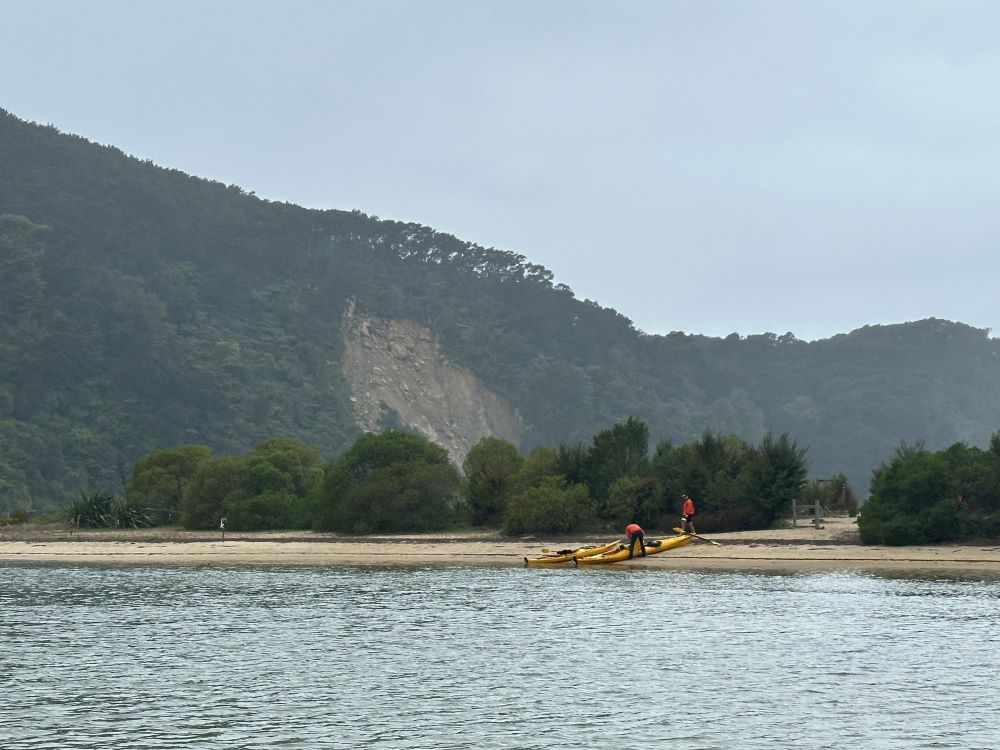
(688, 507)
(633, 528)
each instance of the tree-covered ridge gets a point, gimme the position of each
(143, 308)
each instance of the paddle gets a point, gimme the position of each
(681, 531)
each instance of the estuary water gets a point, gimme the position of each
(477, 657)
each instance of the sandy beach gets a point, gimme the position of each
(833, 547)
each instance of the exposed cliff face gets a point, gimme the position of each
(398, 377)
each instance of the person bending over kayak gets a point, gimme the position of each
(687, 515)
(635, 535)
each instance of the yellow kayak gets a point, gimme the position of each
(652, 548)
(565, 556)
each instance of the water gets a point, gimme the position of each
(450, 657)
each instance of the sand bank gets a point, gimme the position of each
(833, 547)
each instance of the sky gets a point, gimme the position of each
(700, 166)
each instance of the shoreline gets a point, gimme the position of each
(833, 546)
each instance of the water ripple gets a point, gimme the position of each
(146, 658)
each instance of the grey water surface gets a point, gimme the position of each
(478, 657)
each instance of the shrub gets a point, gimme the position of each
(388, 482)
(264, 512)
(102, 510)
(551, 507)
(13, 518)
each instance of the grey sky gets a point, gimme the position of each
(700, 166)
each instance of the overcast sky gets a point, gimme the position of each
(700, 166)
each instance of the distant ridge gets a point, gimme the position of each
(141, 307)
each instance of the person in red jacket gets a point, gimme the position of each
(635, 535)
(687, 515)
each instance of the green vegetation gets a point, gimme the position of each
(160, 480)
(394, 481)
(217, 484)
(552, 507)
(923, 496)
(490, 469)
(141, 308)
(265, 489)
(97, 510)
(397, 481)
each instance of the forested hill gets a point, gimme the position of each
(144, 308)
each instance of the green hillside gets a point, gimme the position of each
(142, 308)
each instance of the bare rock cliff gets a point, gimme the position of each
(399, 377)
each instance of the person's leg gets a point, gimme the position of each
(642, 543)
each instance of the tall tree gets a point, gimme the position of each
(620, 451)
(217, 482)
(490, 468)
(160, 479)
(392, 481)
(774, 474)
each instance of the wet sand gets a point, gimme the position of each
(833, 547)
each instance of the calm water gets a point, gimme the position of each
(187, 657)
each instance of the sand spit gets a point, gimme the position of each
(833, 547)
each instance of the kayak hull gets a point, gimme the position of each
(651, 547)
(575, 554)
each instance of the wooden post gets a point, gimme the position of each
(795, 513)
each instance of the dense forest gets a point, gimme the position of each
(142, 308)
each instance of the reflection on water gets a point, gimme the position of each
(134, 657)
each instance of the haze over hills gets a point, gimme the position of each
(144, 308)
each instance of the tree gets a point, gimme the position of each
(21, 254)
(618, 452)
(907, 499)
(633, 499)
(160, 479)
(387, 482)
(265, 489)
(218, 482)
(551, 507)
(281, 464)
(490, 468)
(708, 470)
(772, 477)
(275, 485)
(572, 462)
(923, 496)
(541, 462)
(262, 512)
